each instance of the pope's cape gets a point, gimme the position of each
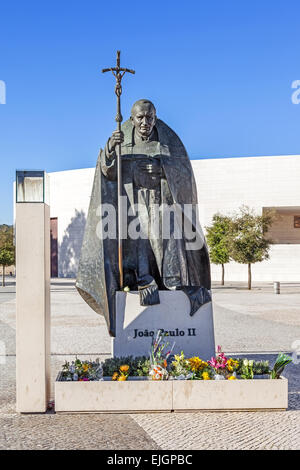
(98, 275)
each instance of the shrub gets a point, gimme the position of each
(138, 366)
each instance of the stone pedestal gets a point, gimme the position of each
(33, 306)
(136, 325)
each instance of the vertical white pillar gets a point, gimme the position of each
(33, 306)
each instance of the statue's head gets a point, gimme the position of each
(143, 117)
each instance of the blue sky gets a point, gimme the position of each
(219, 72)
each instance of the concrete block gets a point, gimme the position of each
(110, 396)
(170, 395)
(230, 394)
(136, 325)
(33, 307)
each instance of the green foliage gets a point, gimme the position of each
(217, 236)
(81, 370)
(261, 367)
(7, 249)
(247, 368)
(7, 257)
(248, 243)
(139, 366)
(281, 361)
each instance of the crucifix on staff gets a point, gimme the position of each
(119, 73)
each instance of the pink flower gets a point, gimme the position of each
(213, 362)
(220, 361)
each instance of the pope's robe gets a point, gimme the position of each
(171, 249)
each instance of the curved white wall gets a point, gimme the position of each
(223, 186)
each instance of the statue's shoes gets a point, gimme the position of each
(149, 294)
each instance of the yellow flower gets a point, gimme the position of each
(115, 376)
(124, 368)
(85, 367)
(232, 364)
(122, 378)
(197, 364)
(232, 377)
(205, 376)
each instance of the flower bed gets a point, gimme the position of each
(166, 383)
(163, 367)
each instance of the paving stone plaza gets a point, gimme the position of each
(258, 324)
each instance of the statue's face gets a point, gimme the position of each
(143, 117)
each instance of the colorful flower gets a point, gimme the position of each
(121, 378)
(197, 364)
(232, 364)
(158, 372)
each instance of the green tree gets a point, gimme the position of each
(248, 242)
(217, 236)
(7, 249)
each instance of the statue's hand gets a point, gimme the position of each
(117, 138)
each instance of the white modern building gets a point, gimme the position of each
(224, 184)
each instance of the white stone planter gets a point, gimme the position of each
(109, 396)
(171, 395)
(230, 394)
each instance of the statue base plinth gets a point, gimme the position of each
(136, 325)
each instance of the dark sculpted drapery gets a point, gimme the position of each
(168, 261)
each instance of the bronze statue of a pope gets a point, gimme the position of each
(163, 245)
